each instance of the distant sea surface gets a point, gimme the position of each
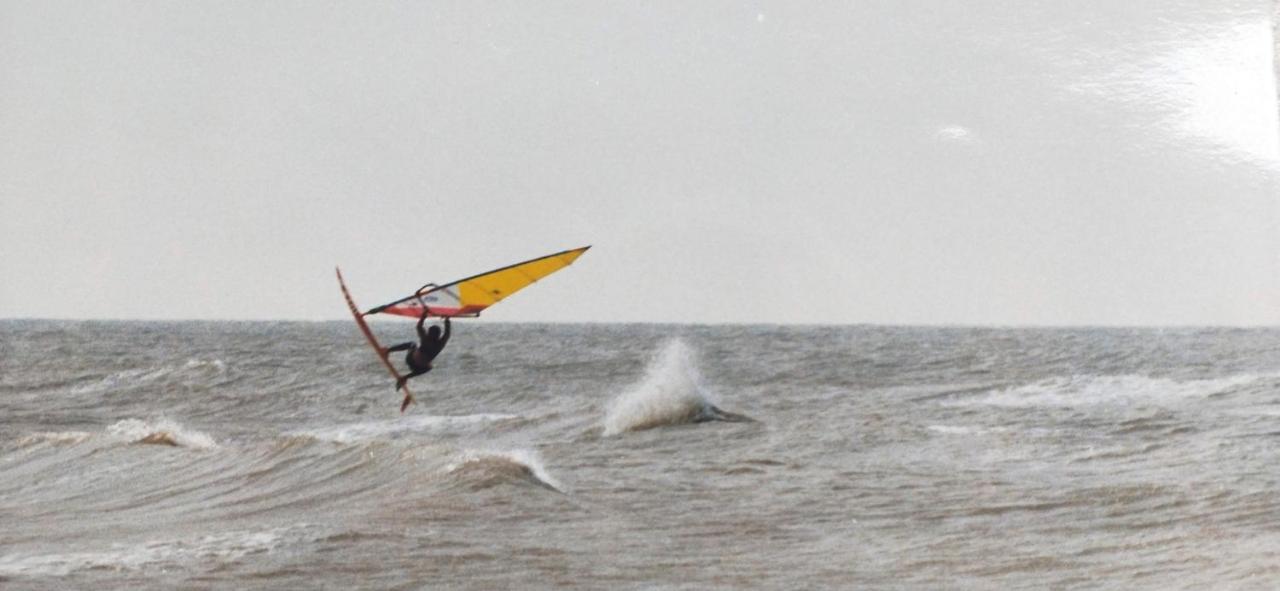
(272, 455)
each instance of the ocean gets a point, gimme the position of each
(271, 455)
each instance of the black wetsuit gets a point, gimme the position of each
(421, 354)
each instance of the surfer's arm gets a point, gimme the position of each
(422, 334)
(448, 330)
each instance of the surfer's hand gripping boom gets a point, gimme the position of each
(425, 289)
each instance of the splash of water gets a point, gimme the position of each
(671, 393)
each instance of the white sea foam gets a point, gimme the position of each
(55, 437)
(209, 365)
(392, 429)
(218, 548)
(958, 430)
(161, 431)
(671, 392)
(1095, 390)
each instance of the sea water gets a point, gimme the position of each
(272, 455)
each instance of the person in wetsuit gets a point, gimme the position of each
(420, 354)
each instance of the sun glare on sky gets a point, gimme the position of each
(1217, 87)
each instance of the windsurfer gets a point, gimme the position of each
(420, 354)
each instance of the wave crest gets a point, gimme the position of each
(401, 427)
(161, 432)
(192, 372)
(486, 469)
(1083, 390)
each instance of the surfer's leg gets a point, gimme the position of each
(416, 372)
(401, 347)
(400, 382)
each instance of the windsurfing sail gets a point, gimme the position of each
(468, 297)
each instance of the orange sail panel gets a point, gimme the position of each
(468, 297)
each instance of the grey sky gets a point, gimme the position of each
(1088, 162)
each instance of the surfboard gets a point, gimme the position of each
(373, 341)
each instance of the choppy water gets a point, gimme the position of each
(272, 455)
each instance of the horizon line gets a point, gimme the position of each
(678, 323)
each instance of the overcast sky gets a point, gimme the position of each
(1043, 162)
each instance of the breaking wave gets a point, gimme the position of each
(127, 431)
(160, 431)
(479, 470)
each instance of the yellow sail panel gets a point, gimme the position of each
(492, 287)
(467, 297)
